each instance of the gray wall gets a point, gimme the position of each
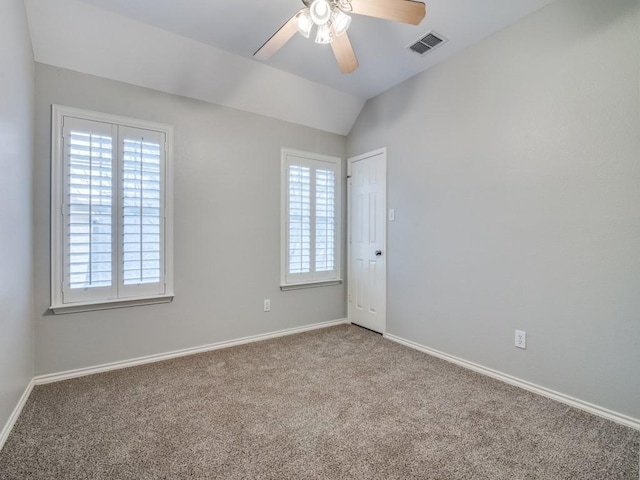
(514, 169)
(16, 240)
(227, 229)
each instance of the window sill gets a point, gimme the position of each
(118, 303)
(298, 286)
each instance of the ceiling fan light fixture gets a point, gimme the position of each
(324, 34)
(304, 23)
(340, 21)
(331, 19)
(320, 12)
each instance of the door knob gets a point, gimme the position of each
(378, 253)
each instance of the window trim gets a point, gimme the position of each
(58, 112)
(322, 279)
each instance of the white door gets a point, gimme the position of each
(367, 240)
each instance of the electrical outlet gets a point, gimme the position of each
(521, 339)
(267, 305)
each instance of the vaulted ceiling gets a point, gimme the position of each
(214, 41)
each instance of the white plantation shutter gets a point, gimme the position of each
(299, 219)
(109, 222)
(325, 220)
(142, 211)
(310, 213)
(88, 209)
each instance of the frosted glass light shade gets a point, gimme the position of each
(340, 21)
(324, 34)
(304, 23)
(320, 12)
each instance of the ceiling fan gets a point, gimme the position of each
(331, 19)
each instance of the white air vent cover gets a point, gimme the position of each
(427, 43)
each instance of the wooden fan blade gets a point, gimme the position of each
(405, 11)
(344, 53)
(278, 39)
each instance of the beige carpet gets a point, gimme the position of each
(336, 403)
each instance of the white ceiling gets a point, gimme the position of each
(242, 26)
(203, 49)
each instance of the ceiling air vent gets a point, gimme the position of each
(427, 43)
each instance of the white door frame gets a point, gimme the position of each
(350, 161)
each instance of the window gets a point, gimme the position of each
(111, 216)
(310, 219)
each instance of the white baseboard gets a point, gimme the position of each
(545, 392)
(81, 372)
(4, 433)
